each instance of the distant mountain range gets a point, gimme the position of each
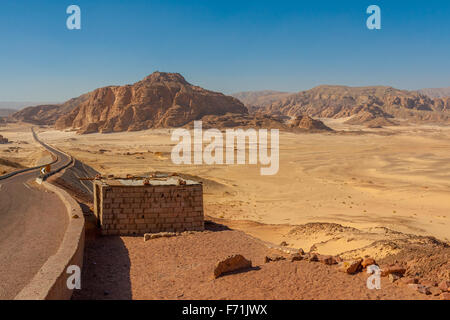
(168, 100)
(17, 105)
(372, 106)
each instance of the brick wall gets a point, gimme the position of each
(135, 210)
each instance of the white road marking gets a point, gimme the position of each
(26, 185)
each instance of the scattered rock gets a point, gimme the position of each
(230, 264)
(409, 280)
(75, 216)
(444, 286)
(150, 236)
(387, 270)
(419, 288)
(328, 260)
(350, 267)
(274, 258)
(368, 262)
(283, 244)
(435, 291)
(394, 277)
(3, 140)
(296, 257)
(445, 296)
(428, 283)
(313, 257)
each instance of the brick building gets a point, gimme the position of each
(136, 206)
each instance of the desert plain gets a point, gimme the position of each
(353, 192)
(367, 179)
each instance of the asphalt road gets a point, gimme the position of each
(32, 226)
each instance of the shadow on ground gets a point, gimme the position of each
(106, 270)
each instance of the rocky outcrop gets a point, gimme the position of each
(231, 264)
(159, 101)
(244, 121)
(3, 140)
(308, 124)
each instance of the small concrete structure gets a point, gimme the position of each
(148, 205)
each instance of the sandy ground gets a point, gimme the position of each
(22, 151)
(182, 268)
(396, 178)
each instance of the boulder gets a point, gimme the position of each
(150, 236)
(313, 257)
(408, 280)
(296, 257)
(350, 267)
(387, 270)
(419, 288)
(328, 260)
(232, 263)
(394, 277)
(273, 258)
(3, 140)
(445, 296)
(444, 285)
(368, 262)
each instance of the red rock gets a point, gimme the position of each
(408, 280)
(273, 258)
(385, 271)
(230, 264)
(328, 260)
(313, 257)
(444, 285)
(435, 291)
(445, 296)
(419, 288)
(394, 277)
(367, 262)
(296, 257)
(350, 267)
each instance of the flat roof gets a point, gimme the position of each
(139, 181)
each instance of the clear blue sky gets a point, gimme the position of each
(226, 46)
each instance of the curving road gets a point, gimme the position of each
(32, 226)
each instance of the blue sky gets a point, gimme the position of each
(225, 46)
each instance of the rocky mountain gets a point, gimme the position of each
(436, 92)
(160, 100)
(363, 104)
